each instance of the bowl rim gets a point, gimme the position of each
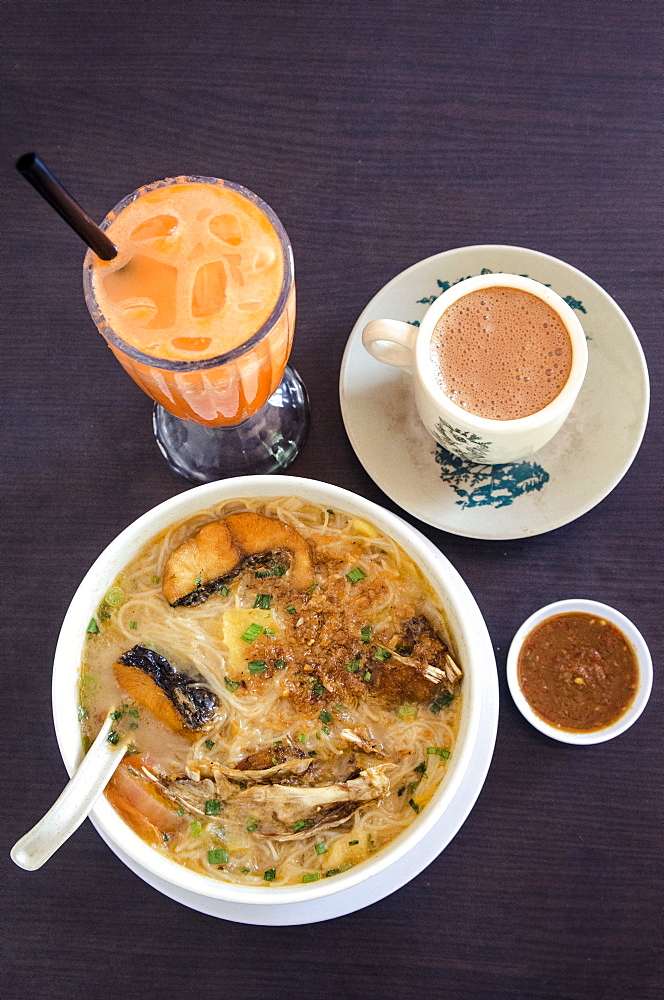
(638, 644)
(468, 627)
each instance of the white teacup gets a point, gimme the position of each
(478, 439)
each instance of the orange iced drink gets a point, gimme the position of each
(199, 304)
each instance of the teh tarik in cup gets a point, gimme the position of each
(497, 363)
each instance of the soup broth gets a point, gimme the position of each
(286, 680)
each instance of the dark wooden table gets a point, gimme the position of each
(381, 133)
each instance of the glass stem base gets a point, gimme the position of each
(267, 442)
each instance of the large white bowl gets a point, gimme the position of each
(467, 631)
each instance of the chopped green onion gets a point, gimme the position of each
(92, 628)
(246, 871)
(407, 711)
(195, 828)
(263, 601)
(439, 752)
(403, 650)
(332, 871)
(401, 791)
(330, 511)
(135, 712)
(274, 571)
(133, 725)
(441, 701)
(291, 610)
(300, 824)
(213, 807)
(224, 591)
(311, 877)
(277, 743)
(209, 744)
(326, 730)
(352, 843)
(165, 837)
(421, 768)
(133, 624)
(325, 716)
(312, 588)
(354, 665)
(339, 706)
(155, 580)
(270, 875)
(117, 714)
(280, 664)
(382, 654)
(256, 666)
(413, 805)
(412, 786)
(180, 811)
(252, 824)
(217, 857)
(275, 761)
(231, 685)
(365, 633)
(113, 738)
(367, 676)
(199, 579)
(114, 596)
(356, 575)
(131, 750)
(320, 848)
(301, 738)
(269, 631)
(318, 735)
(318, 690)
(243, 785)
(312, 753)
(252, 632)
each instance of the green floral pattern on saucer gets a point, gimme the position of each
(488, 485)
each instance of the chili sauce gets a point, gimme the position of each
(578, 672)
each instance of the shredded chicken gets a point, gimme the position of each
(369, 746)
(282, 808)
(205, 768)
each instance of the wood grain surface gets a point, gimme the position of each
(381, 133)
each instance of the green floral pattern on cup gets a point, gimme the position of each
(472, 445)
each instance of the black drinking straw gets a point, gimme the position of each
(53, 192)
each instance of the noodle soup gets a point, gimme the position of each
(285, 676)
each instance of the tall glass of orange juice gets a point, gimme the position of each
(199, 309)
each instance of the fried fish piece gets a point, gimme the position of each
(181, 701)
(194, 567)
(200, 565)
(257, 535)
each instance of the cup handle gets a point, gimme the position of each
(390, 341)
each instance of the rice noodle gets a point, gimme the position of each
(191, 639)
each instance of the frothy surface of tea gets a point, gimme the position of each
(501, 353)
(199, 270)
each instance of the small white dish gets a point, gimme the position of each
(637, 643)
(566, 478)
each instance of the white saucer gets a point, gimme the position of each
(565, 479)
(394, 877)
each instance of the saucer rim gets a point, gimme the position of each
(558, 523)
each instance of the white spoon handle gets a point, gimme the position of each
(68, 812)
